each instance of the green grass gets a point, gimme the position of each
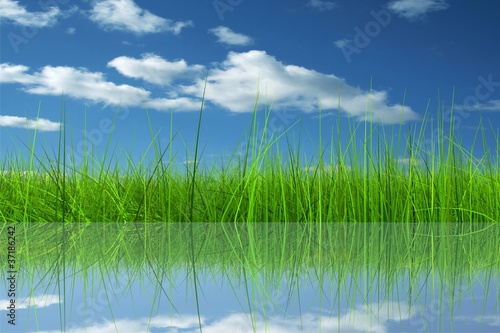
(348, 183)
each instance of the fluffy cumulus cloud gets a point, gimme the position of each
(154, 69)
(10, 73)
(414, 9)
(229, 37)
(126, 15)
(12, 11)
(23, 122)
(233, 85)
(79, 83)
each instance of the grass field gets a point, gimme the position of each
(440, 181)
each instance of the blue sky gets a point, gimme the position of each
(117, 58)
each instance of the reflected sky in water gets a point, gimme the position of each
(114, 302)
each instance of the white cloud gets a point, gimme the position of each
(12, 11)
(14, 74)
(341, 43)
(77, 83)
(362, 319)
(81, 84)
(125, 15)
(493, 105)
(37, 301)
(176, 103)
(321, 5)
(414, 9)
(233, 85)
(490, 320)
(227, 36)
(329, 168)
(137, 325)
(70, 31)
(154, 69)
(23, 122)
(404, 162)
